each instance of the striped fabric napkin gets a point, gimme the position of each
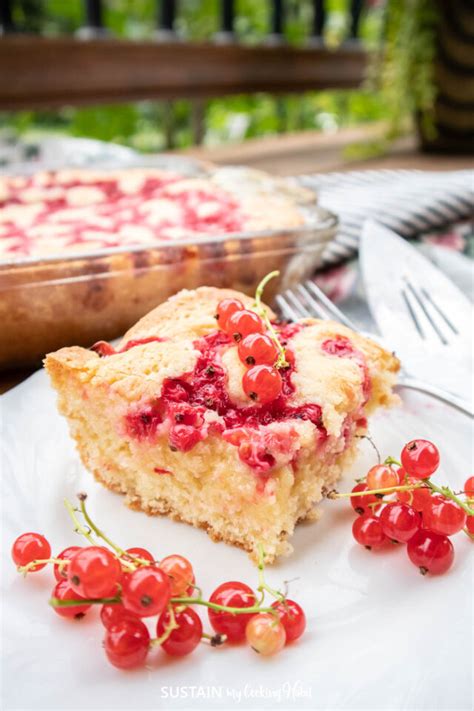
(410, 202)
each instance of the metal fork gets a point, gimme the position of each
(307, 300)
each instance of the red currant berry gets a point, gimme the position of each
(360, 504)
(63, 591)
(186, 637)
(140, 553)
(262, 383)
(430, 552)
(126, 643)
(402, 476)
(231, 594)
(420, 458)
(292, 618)
(29, 547)
(146, 592)
(444, 516)
(94, 572)
(258, 349)
(418, 498)
(243, 323)
(225, 309)
(469, 487)
(60, 572)
(265, 634)
(400, 522)
(470, 524)
(180, 572)
(381, 477)
(113, 612)
(367, 530)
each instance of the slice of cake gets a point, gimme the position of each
(170, 418)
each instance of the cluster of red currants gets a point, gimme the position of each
(130, 585)
(397, 502)
(257, 348)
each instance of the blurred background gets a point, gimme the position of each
(157, 75)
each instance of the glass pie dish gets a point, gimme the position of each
(49, 301)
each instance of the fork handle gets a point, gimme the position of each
(407, 381)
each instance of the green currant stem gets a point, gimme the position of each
(446, 491)
(262, 312)
(262, 585)
(24, 569)
(78, 526)
(386, 490)
(424, 483)
(173, 625)
(390, 461)
(100, 534)
(222, 608)
(56, 602)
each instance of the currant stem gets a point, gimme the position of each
(262, 585)
(173, 625)
(56, 602)
(222, 608)
(366, 492)
(24, 569)
(262, 312)
(78, 526)
(446, 492)
(100, 534)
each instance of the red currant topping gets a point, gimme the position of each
(367, 530)
(29, 547)
(292, 618)
(63, 591)
(430, 552)
(469, 487)
(126, 643)
(225, 309)
(180, 572)
(184, 437)
(60, 572)
(262, 383)
(444, 516)
(243, 323)
(381, 477)
(420, 458)
(360, 504)
(400, 522)
(140, 553)
(231, 594)
(146, 592)
(258, 349)
(114, 612)
(186, 637)
(265, 634)
(94, 572)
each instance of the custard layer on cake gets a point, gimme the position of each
(164, 419)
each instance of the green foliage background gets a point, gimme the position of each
(140, 125)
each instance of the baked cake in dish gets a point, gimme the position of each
(75, 211)
(164, 418)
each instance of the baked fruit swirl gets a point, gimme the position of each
(236, 424)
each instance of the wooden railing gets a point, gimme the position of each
(95, 67)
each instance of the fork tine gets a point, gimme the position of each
(331, 308)
(433, 303)
(316, 307)
(286, 308)
(422, 303)
(297, 304)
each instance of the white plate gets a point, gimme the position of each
(380, 636)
